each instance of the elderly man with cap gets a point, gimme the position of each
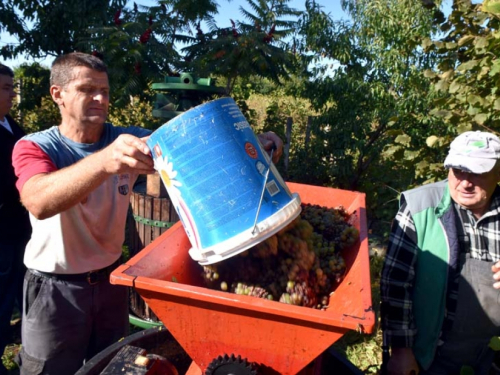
(440, 280)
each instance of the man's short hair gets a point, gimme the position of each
(61, 73)
(6, 71)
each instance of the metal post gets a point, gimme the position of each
(289, 123)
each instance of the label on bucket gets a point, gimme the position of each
(214, 168)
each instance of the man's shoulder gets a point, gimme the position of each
(425, 196)
(115, 131)
(44, 136)
(427, 188)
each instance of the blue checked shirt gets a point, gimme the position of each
(480, 237)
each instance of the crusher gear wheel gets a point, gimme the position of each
(230, 365)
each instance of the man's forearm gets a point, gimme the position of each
(48, 194)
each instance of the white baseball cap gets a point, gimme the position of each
(474, 152)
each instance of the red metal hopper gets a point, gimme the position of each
(281, 338)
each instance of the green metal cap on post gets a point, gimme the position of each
(178, 94)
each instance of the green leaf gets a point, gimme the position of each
(467, 65)
(495, 68)
(465, 39)
(442, 85)
(439, 44)
(481, 42)
(467, 370)
(484, 71)
(427, 43)
(448, 74)
(391, 150)
(431, 141)
(496, 104)
(429, 73)
(491, 6)
(440, 113)
(411, 155)
(454, 87)
(462, 128)
(393, 120)
(475, 99)
(481, 118)
(403, 139)
(480, 18)
(421, 165)
(473, 110)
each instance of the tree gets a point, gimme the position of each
(36, 110)
(137, 43)
(51, 28)
(374, 95)
(140, 44)
(468, 74)
(254, 47)
(464, 81)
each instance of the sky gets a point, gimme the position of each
(227, 9)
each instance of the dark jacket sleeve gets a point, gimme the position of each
(14, 219)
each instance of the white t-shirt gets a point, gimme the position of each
(89, 235)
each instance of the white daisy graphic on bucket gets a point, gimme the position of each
(168, 175)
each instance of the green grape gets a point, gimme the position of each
(299, 265)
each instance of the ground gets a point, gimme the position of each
(12, 349)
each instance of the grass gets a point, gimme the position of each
(8, 358)
(12, 349)
(365, 351)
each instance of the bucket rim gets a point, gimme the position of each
(246, 239)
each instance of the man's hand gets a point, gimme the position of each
(270, 139)
(128, 154)
(402, 362)
(496, 275)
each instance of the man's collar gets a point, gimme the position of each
(495, 200)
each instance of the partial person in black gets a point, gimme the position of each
(15, 229)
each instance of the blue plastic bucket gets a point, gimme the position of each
(214, 169)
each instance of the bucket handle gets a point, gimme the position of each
(263, 189)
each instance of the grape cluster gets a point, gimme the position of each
(300, 265)
(332, 223)
(250, 290)
(299, 293)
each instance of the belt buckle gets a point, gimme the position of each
(92, 278)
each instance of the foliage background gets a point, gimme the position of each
(374, 100)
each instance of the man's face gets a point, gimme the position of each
(7, 94)
(86, 98)
(473, 191)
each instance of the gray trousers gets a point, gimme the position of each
(65, 323)
(476, 321)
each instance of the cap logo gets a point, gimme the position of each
(475, 145)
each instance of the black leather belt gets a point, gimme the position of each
(92, 277)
